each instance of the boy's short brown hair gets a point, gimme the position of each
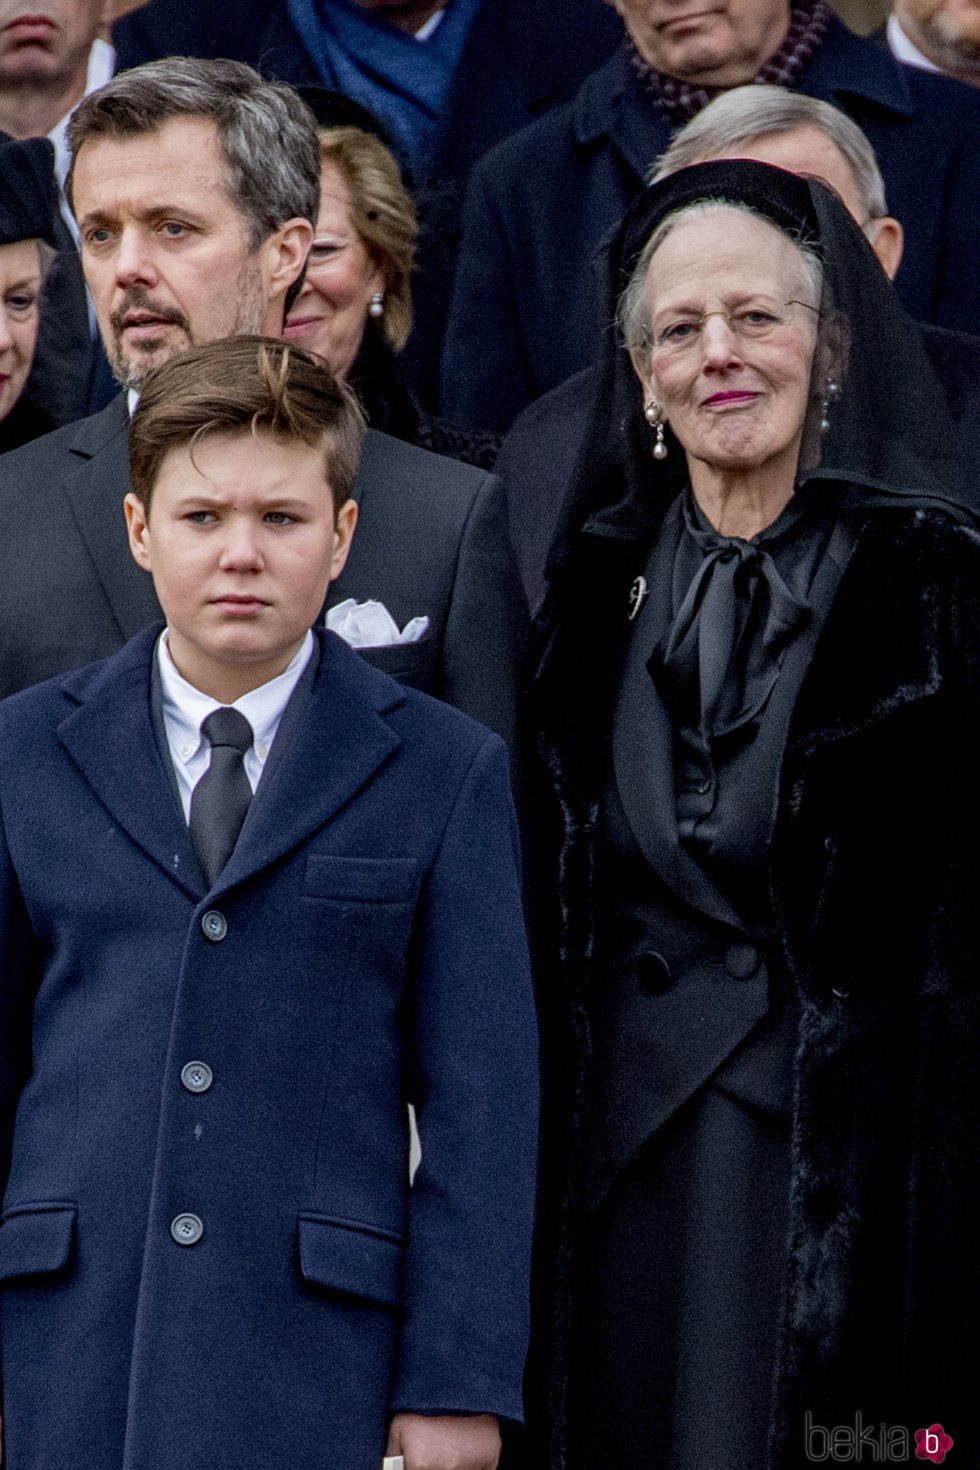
(256, 385)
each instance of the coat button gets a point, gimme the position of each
(187, 1229)
(215, 926)
(196, 1076)
(741, 961)
(654, 972)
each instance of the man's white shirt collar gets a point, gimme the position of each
(902, 48)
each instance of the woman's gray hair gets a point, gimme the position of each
(744, 114)
(633, 312)
(267, 133)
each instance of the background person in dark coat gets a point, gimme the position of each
(523, 316)
(758, 1006)
(519, 59)
(210, 1250)
(808, 136)
(178, 252)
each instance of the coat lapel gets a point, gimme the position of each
(612, 104)
(110, 736)
(331, 753)
(643, 752)
(94, 485)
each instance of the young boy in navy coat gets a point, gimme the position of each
(215, 1006)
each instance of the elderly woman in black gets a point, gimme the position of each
(758, 704)
(28, 201)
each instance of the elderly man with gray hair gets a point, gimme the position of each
(771, 125)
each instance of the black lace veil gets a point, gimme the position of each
(889, 437)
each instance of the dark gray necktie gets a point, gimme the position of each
(221, 797)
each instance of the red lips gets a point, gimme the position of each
(732, 395)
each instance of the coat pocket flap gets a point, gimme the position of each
(36, 1240)
(351, 1258)
(361, 879)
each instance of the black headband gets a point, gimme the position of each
(782, 197)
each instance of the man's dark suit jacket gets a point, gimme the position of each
(353, 955)
(521, 58)
(523, 315)
(431, 540)
(537, 459)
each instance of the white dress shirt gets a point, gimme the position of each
(902, 48)
(184, 708)
(431, 26)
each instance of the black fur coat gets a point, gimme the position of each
(876, 887)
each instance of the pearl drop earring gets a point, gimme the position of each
(377, 305)
(832, 391)
(651, 412)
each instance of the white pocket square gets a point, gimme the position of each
(370, 625)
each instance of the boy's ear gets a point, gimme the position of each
(343, 536)
(138, 529)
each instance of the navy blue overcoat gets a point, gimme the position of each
(222, 1264)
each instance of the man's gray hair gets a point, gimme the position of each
(743, 114)
(267, 133)
(633, 315)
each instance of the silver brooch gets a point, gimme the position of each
(638, 596)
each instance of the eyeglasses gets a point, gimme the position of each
(747, 323)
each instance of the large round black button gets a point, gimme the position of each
(741, 961)
(653, 971)
(214, 926)
(196, 1076)
(187, 1229)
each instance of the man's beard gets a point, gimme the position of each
(132, 364)
(951, 40)
(956, 41)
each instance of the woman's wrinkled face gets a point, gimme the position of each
(733, 328)
(20, 291)
(329, 314)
